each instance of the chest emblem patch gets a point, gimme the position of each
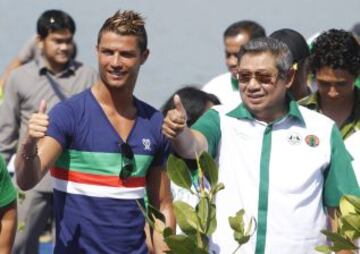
(294, 139)
(312, 140)
(147, 144)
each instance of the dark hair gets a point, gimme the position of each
(295, 42)
(126, 23)
(54, 20)
(275, 47)
(336, 49)
(253, 29)
(194, 100)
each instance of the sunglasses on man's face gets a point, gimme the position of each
(127, 166)
(244, 77)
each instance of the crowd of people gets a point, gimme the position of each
(282, 124)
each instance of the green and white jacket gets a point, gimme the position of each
(284, 174)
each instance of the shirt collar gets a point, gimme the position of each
(70, 68)
(241, 112)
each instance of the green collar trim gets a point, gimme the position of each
(241, 112)
(234, 83)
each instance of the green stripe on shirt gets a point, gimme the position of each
(100, 163)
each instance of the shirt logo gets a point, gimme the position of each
(294, 139)
(312, 140)
(147, 144)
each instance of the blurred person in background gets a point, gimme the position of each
(52, 76)
(300, 52)
(335, 65)
(225, 86)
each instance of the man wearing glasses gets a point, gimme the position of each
(260, 147)
(104, 148)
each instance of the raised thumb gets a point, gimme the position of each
(42, 107)
(178, 104)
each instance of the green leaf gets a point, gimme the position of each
(209, 168)
(180, 244)
(202, 210)
(349, 204)
(215, 189)
(351, 226)
(212, 220)
(237, 222)
(186, 217)
(155, 213)
(339, 242)
(178, 172)
(167, 232)
(323, 249)
(241, 238)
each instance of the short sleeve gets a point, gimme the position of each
(7, 189)
(163, 147)
(339, 176)
(209, 125)
(61, 124)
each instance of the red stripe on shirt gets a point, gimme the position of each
(111, 181)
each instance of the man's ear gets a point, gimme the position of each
(39, 42)
(144, 55)
(290, 76)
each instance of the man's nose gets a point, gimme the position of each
(116, 60)
(333, 92)
(232, 60)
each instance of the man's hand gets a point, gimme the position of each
(38, 123)
(175, 120)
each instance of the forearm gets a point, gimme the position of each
(334, 225)
(189, 143)
(158, 240)
(27, 165)
(7, 227)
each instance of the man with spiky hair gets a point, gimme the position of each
(335, 63)
(225, 86)
(104, 148)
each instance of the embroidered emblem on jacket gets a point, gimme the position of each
(312, 140)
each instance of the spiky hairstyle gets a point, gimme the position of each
(336, 49)
(126, 23)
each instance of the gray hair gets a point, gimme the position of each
(284, 59)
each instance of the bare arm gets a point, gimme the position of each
(37, 152)
(7, 227)
(186, 142)
(333, 225)
(158, 186)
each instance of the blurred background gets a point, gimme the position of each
(185, 37)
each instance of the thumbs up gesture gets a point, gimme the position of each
(175, 120)
(38, 122)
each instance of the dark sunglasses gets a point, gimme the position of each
(127, 166)
(244, 77)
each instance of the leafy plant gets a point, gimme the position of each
(348, 221)
(196, 223)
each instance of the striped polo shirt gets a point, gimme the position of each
(282, 173)
(95, 210)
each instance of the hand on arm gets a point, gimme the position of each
(158, 187)
(37, 152)
(186, 142)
